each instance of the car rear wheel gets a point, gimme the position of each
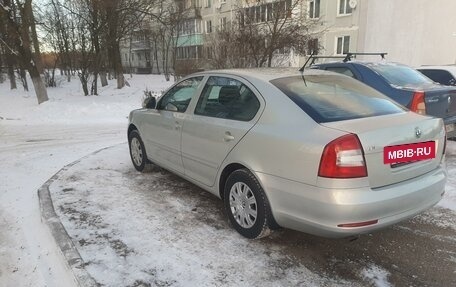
(137, 151)
(246, 205)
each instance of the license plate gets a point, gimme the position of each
(449, 128)
(409, 152)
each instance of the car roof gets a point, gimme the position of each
(450, 68)
(265, 74)
(364, 63)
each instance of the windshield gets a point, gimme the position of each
(400, 75)
(329, 98)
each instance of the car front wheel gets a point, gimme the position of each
(137, 151)
(246, 205)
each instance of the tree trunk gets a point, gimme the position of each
(118, 67)
(11, 76)
(40, 89)
(33, 35)
(104, 80)
(23, 75)
(85, 88)
(94, 88)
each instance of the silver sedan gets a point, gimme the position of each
(316, 151)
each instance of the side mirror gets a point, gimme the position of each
(150, 103)
(171, 107)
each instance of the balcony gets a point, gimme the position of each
(193, 13)
(190, 40)
(140, 45)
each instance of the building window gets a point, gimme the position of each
(208, 26)
(263, 13)
(197, 26)
(314, 9)
(196, 3)
(312, 47)
(343, 45)
(208, 3)
(269, 12)
(209, 52)
(222, 23)
(344, 7)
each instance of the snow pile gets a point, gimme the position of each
(67, 105)
(377, 275)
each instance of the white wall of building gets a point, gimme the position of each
(413, 32)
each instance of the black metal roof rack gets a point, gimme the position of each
(349, 55)
(346, 57)
(312, 59)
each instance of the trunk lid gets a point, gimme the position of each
(440, 102)
(376, 133)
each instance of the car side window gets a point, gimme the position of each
(440, 76)
(341, 70)
(227, 98)
(178, 98)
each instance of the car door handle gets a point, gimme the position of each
(228, 137)
(177, 125)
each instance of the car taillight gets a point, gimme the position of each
(418, 105)
(343, 158)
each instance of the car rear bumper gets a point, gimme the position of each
(319, 211)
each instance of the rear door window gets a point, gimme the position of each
(400, 75)
(329, 98)
(227, 98)
(440, 76)
(341, 70)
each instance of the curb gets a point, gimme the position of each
(58, 231)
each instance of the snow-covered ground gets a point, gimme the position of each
(37, 140)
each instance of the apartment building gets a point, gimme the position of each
(414, 32)
(203, 18)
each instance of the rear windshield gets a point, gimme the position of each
(402, 76)
(329, 98)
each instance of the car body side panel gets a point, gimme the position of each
(285, 142)
(161, 136)
(206, 142)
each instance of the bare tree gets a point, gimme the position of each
(19, 27)
(262, 32)
(122, 16)
(10, 60)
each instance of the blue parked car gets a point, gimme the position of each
(404, 85)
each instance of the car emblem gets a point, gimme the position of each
(417, 132)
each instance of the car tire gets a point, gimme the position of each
(138, 152)
(246, 205)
